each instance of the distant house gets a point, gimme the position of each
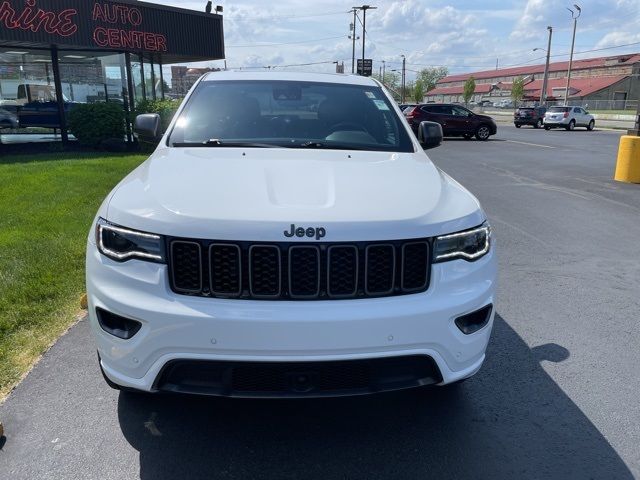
(612, 79)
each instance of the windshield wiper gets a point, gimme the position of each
(214, 142)
(331, 145)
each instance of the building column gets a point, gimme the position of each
(161, 76)
(59, 97)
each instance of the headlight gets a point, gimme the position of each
(122, 244)
(469, 245)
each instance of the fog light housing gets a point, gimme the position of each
(116, 325)
(474, 321)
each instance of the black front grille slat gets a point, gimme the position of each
(265, 267)
(225, 269)
(342, 271)
(380, 269)
(304, 271)
(186, 260)
(415, 266)
(299, 271)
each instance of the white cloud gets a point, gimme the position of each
(465, 35)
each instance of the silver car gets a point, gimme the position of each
(568, 118)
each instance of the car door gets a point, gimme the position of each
(579, 115)
(459, 120)
(436, 113)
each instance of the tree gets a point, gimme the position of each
(517, 90)
(429, 77)
(391, 81)
(469, 89)
(418, 91)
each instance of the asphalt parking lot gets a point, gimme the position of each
(557, 397)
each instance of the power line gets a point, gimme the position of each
(281, 17)
(252, 45)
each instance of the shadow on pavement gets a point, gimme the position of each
(509, 421)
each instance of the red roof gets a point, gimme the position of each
(482, 88)
(582, 86)
(628, 59)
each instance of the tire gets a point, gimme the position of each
(547, 128)
(483, 133)
(517, 125)
(538, 124)
(571, 126)
(591, 125)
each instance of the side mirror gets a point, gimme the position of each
(147, 126)
(430, 135)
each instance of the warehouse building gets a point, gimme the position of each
(612, 81)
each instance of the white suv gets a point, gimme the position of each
(568, 118)
(289, 237)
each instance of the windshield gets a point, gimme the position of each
(558, 109)
(290, 114)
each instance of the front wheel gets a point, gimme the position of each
(483, 133)
(591, 125)
(547, 127)
(517, 125)
(538, 124)
(571, 126)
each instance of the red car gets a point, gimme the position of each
(456, 121)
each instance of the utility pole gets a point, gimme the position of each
(404, 77)
(573, 42)
(364, 9)
(545, 78)
(353, 39)
(384, 72)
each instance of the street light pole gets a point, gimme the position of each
(543, 96)
(573, 42)
(353, 39)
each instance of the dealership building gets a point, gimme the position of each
(609, 81)
(56, 53)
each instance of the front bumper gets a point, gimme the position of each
(181, 328)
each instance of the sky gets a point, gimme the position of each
(464, 35)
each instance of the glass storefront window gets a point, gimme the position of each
(148, 80)
(28, 102)
(27, 92)
(136, 74)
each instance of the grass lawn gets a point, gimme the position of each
(47, 203)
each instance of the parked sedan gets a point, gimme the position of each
(568, 118)
(8, 119)
(456, 121)
(533, 116)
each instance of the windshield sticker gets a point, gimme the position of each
(370, 95)
(381, 105)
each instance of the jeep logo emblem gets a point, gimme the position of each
(310, 232)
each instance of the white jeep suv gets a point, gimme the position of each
(289, 237)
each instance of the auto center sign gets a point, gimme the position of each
(127, 26)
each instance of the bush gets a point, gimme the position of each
(165, 108)
(93, 123)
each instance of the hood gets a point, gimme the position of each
(257, 194)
